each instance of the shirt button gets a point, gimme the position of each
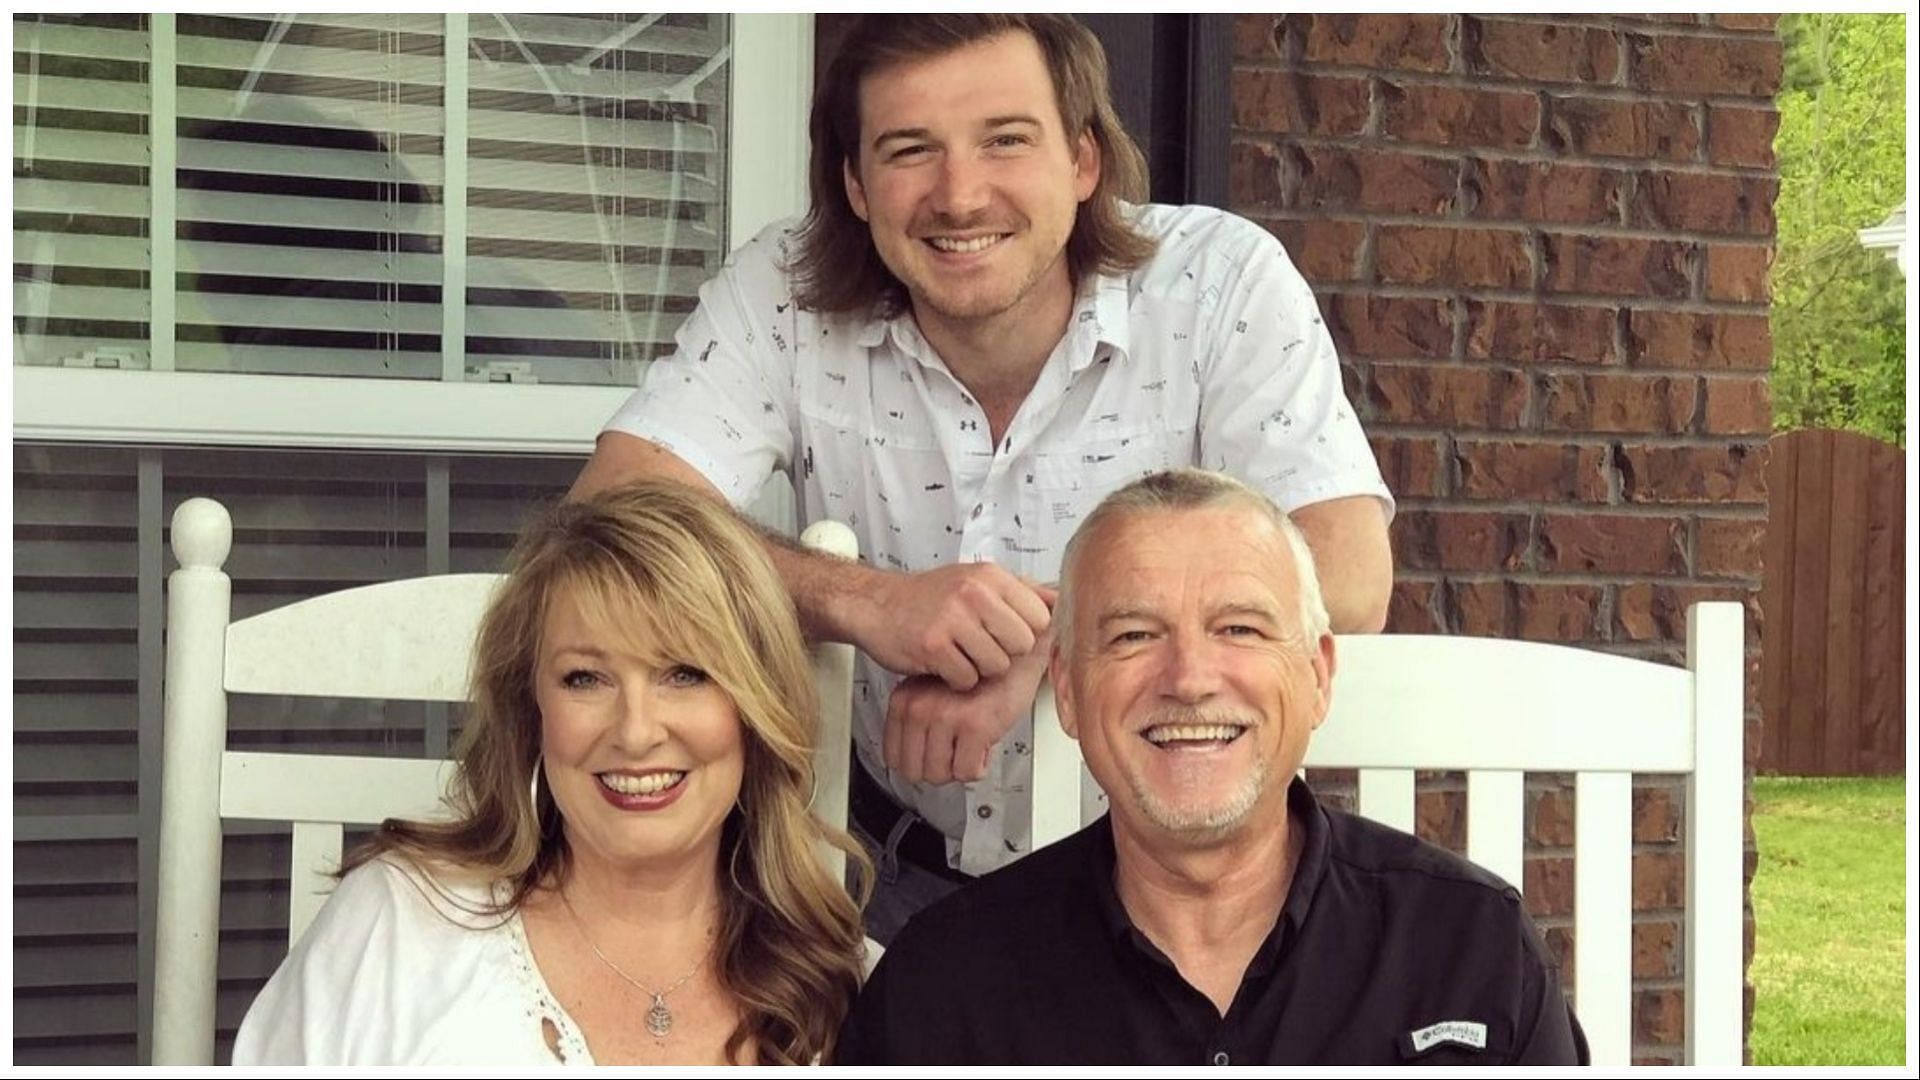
(984, 812)
(977, 508)
(1220, 1058)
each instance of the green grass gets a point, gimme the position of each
(1829, 900)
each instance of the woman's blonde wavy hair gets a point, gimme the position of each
(660, 563)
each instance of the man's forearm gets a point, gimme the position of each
(827, 592)
(834, 596)
(1348, 538)
(1357, 590)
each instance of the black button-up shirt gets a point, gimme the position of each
(1388, 950)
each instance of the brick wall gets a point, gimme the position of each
(1542, 246)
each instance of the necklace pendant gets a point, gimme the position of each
(659, 1018)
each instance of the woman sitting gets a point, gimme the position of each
(631, 873)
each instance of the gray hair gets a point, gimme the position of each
(1192, 489)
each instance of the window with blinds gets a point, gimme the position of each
(329, 180)
(81, 206)
(260, 195)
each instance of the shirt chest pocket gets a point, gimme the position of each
(1061, 486)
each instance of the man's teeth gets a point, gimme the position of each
(965, 247)
(650, 784)
(1167, 733)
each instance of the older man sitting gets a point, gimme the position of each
(1218, 914)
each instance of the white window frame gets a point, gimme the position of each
(770, 87)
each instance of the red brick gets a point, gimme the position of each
(1255, 37)
(1451, 396)
(1253, 175)
(1481, 608)
(1673, 1059)
(1738, 406)
(1738, 272)
(1411, 467)
(1552, 818)
(1382, 42)
(1502, 331)
(1559, 941)
(1458, 540)
(1634, 617)
(1289, 103)
(1364, 325)
(1638, 404)
(1323, 250)
(1451, 116)
(1532, 471)
(1730, 546)
(1647, 612)
(1410, 609)
(1549, 886)
(1693, 474)
(1742, 137)
(1456, 258)
(1659, 880)
(1659, 1016)
(1564, 614)
(1641, 130)
(1700, 202)
(1684, 64)
(1440, 817)
(1545, 193)
(1656, 950)
(1341, 798)
(1352, 378)
(1617, 265)
(1681, 339)
(1373, 181)
(1542, 50)
(1613, 544)
(1764, 24)
(1656, 816)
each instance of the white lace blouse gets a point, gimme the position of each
(394, 972)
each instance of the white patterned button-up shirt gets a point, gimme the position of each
(1213, 354)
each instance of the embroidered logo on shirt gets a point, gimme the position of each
(1469, 1033)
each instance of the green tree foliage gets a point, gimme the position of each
(1839, 311)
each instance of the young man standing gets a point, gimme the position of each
(973, 336)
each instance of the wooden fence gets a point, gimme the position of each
(1833, 604)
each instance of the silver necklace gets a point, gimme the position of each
(659, 1017)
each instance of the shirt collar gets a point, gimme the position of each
(1308, 873)
(1100, 312)
(874, 330)
(1112, 324)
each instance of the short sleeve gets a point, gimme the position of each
(1275, 412)
(723, 400)
(331, 1000)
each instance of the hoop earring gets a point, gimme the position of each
(533, 794)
